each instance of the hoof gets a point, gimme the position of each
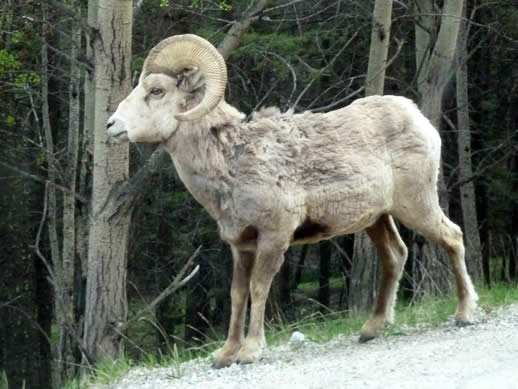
(225, 356)
(250, 353)
(244, 358)
(463, 323)
(221, 364)
(365, 338)
(371, 328)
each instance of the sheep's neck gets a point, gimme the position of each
(201, 165)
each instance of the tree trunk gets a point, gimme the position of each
(300, 266)
(347, 253)
(365, 257)
(325, 251)
(65, 310)
(513, 233)
(106, 300)
(380, 39)
(467, 190)
(364, 276)
(435, 53)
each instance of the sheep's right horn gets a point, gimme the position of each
(176, 53)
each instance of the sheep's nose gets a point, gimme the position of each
(110, 123)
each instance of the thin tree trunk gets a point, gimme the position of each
(513, 233)
(380, 39)
(324, 292)
(106, 300)
(63, 350)
(365, 256)
(300, 266)
(435, 53)
(467, 191)
(51, 162)
(66, 315)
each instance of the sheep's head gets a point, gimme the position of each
(183, 78)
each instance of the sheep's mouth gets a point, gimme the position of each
(120, 137)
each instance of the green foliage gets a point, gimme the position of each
(4, 382)
(224, 6)
(17, 37)
(137, 62)
(194, 4)
(30, 79)
(8, 62)
(164, 3)
(10, 121)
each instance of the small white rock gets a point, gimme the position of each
(297, 337)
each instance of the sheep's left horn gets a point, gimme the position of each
(176, 53)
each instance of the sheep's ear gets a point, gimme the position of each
(190, 79)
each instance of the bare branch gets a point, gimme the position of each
(356, 92)
(317, 76)
(7, 303)
(177, 283)
(293, 75)
(64, 10)
(62, 188)
(239, 28)
(337, 102)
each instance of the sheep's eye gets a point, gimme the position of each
(156, 91)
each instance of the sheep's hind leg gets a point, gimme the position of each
(268, 262)
(449, 236)
(393, 254)
(243, 264)
(431, 222)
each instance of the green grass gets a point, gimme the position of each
(320, 328)
(311, 287)
(499, 294)
(426, 311)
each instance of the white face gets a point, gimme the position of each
(148, 113)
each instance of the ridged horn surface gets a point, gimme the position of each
(174, 54)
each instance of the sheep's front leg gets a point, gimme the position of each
(267, 264)
(393, 254)
(243, 264)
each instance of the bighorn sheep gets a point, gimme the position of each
(282, 179)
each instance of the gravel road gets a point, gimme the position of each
(481, 356)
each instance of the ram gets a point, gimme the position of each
(282, 179)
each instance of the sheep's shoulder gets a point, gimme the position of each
(266, 112)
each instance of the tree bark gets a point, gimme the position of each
(106, 300)
(467, 191)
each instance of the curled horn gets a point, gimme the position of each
(174, 54)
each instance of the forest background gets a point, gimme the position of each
(92, 232)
